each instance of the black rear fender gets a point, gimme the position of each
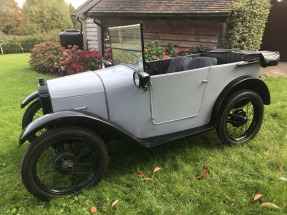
(103, 128)
(240, 83)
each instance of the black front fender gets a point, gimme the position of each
(103, 128)
(240, 83)
(30, 98)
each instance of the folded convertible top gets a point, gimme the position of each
(223, 56)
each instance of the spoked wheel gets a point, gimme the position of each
(63, 161)
(33, 112)
(241, 118)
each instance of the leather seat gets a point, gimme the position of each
(178, 64)
(200, 62)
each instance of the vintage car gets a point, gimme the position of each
(146, 102)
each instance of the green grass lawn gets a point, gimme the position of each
(239, 171)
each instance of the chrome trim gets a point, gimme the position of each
(80, 108)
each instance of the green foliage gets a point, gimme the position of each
(245, 27)
(10, 16)
(50, 57)
(169, 50)
(20, 44)
(46, 15)
(76, 23)
(154, 51)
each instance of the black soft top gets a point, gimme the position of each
(224, 56)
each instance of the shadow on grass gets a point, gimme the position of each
(126, 157)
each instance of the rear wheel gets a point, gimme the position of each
(63, 161)
(241, 118)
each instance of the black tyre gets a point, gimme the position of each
(63, 161)
(33, 112)
(241, 118)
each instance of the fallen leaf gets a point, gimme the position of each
(13, 120)
(206, 170)
(146, 179)
(94, 209)
(200, 177)
(269, 205)
(115, 202)
(257, 196)
(156, 169)
(140, 174)
(227, 197)
(281, 167)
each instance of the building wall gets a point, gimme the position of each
(91, 35)
(182, 33)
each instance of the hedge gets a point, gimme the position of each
(20, 44)
(245, 26)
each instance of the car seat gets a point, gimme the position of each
(200, 62)
(178, 64)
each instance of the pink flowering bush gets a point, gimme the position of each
(154, 51)
(50, 57)
(108, 56)
(76, 60)
(44, 55)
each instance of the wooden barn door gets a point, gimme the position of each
(275, 35)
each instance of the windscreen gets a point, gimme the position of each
(126, 46)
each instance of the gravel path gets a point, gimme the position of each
(280, 70)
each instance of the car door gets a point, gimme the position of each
(177, 96)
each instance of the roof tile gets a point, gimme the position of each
(179, 7)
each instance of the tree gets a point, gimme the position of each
(76, 23)
(10, 16)
(46, 15)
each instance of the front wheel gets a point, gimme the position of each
(241, 118)
(33, 112)
(63, 161)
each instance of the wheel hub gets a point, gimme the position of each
(65, 162)
(238, 118)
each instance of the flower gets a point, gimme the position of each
(166, 57)
(154, 57)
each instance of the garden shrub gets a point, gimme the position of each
(245, 27)
(20, 44)
(50, 57)
(45, 56)
(154, 51)
(76, 60)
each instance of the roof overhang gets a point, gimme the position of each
(85, 7)
(161, 15)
